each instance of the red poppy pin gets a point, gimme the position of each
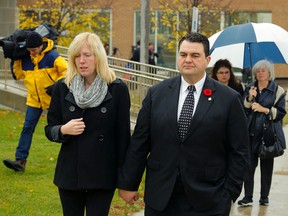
(207, 92)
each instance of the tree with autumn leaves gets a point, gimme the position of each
(177, 17)
(68, 17)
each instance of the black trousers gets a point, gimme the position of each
(179, 205)
(94, 202)
(266, 172)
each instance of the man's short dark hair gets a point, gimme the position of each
(198, 38)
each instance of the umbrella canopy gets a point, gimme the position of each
(243, 45)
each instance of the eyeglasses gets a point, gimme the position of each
(223, 73)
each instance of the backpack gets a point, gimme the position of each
(14, 45)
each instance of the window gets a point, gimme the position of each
(209, 22)
(245, 17)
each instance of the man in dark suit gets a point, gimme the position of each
(200, 174)
(136, 53)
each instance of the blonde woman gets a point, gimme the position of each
(89, 115)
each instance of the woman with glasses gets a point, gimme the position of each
(222, 71)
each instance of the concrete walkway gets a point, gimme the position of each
(278, 198)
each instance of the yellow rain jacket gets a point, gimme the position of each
(40, 72)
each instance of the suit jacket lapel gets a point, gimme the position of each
(203, 106)
(172, 104)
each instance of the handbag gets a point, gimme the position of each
(270, 144)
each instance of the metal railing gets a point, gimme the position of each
(6, 80)
(138, 77)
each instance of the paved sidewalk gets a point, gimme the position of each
(278, 198)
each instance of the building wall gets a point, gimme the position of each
(279, 17)
(7, 17)
(123, 19)
(278, 8)
(123, 24)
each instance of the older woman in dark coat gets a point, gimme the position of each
(262, 98)
(89, 115)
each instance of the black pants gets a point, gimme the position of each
(266, 172)
(179, 205)
(94, 202)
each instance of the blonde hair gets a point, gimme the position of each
(96, 47)
(263, 64)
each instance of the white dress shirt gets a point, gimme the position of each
(184, 92)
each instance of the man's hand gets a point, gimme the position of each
(128, 196)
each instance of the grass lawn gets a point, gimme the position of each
(33, 193)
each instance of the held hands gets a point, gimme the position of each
(128, 196)
(73, 127)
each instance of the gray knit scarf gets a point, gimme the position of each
(91, 97)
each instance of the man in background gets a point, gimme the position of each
(152, 54)
(40, 71)
(136, 53)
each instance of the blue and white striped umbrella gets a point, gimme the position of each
(245, 44)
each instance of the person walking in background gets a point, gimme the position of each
(135, 57)
(152, 54)
(262, 97)
(90, 115)
(222, 71)
(107, 49)
(193, 166)
(136, 53)
(151, 57)
(40, 71)
(116, 52)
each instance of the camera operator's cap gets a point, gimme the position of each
(33, 39)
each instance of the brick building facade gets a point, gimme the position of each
(123, 20)
(8, 17)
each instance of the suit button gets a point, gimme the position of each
(101, 137)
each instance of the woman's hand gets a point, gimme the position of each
(252, 93)
(73, 127)
(256, 107)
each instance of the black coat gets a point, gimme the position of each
(257, 119)
(93, 159)
(212, 158)
(136, 55)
